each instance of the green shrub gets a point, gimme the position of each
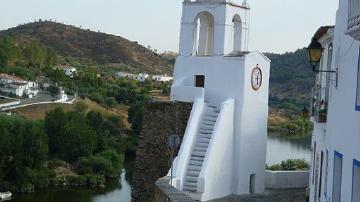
(54, 163)
(290, 165)
(96, 97)
(110, 102)
(107, 163)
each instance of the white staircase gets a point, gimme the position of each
(199, 150)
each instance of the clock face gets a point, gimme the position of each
(256, 78)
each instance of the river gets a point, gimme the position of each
(278, 149)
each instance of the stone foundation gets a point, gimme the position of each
(161, 119)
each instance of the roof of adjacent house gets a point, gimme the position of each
(12, 77)
(65, 67)
(18, 84)
(322, 31)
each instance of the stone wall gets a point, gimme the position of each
(164, 192)
(161, 119)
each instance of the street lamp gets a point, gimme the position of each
(314, 52)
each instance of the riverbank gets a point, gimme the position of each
(288, 126)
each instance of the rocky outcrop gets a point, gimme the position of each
(153, 155)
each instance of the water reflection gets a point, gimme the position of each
(280, 148)
(119, 190)
(116, 190)
(122, 193)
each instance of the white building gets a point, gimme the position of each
(141, 77)
(162, 78)
(11, 84)
(224, 147)
(124, 75)
(69, 70)
(138, 77)
(7, 79)
(335, 173)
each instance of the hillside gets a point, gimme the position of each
(291, 80)
(95, 48)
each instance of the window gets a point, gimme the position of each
(357, 105)
(314, 164)
(203, 35)
(237, 33)
(326, 172)
(321, 172)
(338, 160)
(356, 182)
(200, 81)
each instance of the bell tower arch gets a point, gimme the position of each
(213, 28)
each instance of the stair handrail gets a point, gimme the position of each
(189, 140)
(219, 156)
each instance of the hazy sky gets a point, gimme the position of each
(276, 25)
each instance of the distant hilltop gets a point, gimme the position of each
(99, 48)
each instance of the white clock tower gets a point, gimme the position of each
(224, 148)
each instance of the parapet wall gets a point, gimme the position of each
(286, 179)
(164, 192)
(161, 119)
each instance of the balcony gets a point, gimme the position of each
(319, 105)
(354, 19)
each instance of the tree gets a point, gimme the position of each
(70, 136)
(110, 101)
(54, 126)
(51, 57)
(54, 90)
(96, 97)
(135, 117)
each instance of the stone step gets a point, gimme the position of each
(197, 158)
(207, 123)
(191, 179)
(198, 154)
(193, 173)
(203, 140)
(211, 114)
(194, 168)
(190, 184)
(200, 149)
(204, 135)
(206, 127)
(205, 132)
(195, 163)
(190, 188)
(209, 119)
(202, 145)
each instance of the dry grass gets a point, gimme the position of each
(63, 172)
(37, 112)
(3, 101)
(276, 118)
(119, 110)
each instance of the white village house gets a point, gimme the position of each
(68, 70)
(224, 147)
(162, 78)
(124, 75)
(11, 84)
(335, 172)
(141, 77)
